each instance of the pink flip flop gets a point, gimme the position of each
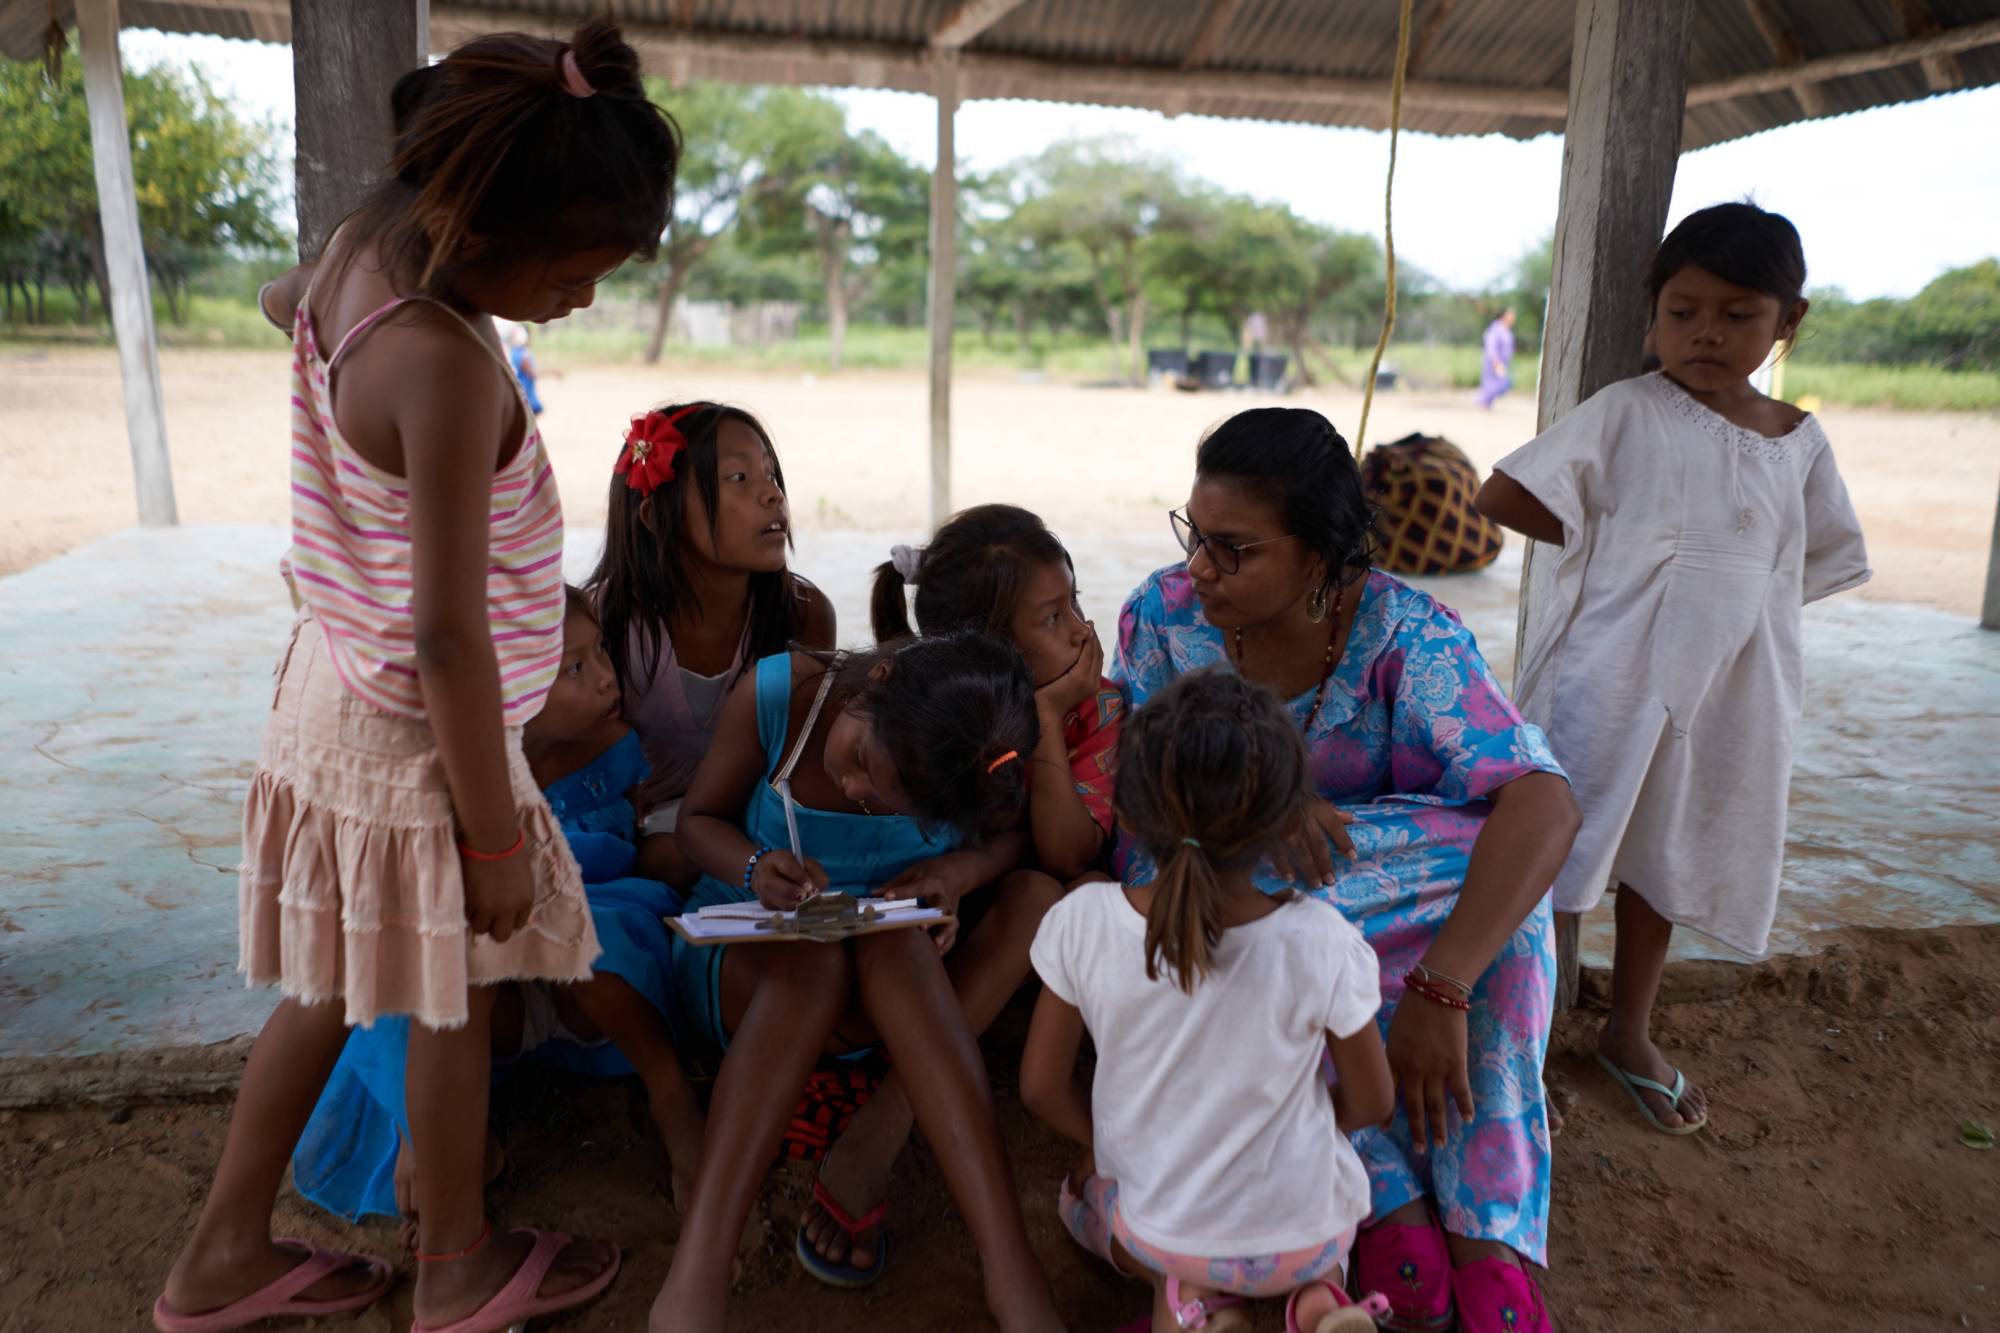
(1197, 1312)
(516, 1302)
(280, 1298)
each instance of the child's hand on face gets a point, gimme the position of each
(781, 882)
(1074, 687)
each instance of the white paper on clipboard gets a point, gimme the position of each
(729, 921)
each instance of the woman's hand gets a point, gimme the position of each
(1069, 691)
(1322, 829)
(781, 881)
(938, 882)
(1427, 1057)
(499, 895)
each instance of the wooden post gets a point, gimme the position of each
(1989, 612)
(130, 297)
(346, 56)
(1627, 83)
(943, 279)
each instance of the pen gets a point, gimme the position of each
(792, 829)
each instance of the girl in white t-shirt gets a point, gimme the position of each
(1214, 1161)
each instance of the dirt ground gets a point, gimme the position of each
(1829, 1192)
(1109, 460)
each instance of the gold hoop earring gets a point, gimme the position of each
(1316, 604)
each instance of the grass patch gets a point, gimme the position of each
(1909, 388)
(229, 320)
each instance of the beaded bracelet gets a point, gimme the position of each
(1435, 994)
(750, 866)
(1432, 974)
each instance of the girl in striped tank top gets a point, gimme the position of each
(398, 858)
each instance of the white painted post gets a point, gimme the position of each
(1989, 611)
(1627, 88)
(131, 299)
(943, 279)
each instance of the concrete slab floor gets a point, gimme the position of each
(137, 671)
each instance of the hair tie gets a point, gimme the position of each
(994, 767)
(908, 562)
(1191, 842)
(574, 83)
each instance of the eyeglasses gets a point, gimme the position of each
(1228, 556)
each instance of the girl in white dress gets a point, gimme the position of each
(1696, 517)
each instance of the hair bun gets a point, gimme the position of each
(605, 59)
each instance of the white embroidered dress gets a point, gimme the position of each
(1667, 672)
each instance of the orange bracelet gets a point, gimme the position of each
(472, 853)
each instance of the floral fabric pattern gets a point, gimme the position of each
(1413, 735)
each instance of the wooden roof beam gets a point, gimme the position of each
(1428, 33)
(969, 20)
(1820, 69)
(1785, 46)
(1942, 73)
(1209, 35)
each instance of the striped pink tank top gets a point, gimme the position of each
(350, 556)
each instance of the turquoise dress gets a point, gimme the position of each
(346, 1159)
(859, 852)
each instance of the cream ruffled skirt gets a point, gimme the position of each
(351, 883)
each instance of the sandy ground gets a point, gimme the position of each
(1829, 1191)
(854, 451)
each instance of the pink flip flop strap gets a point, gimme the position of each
(517, 1302)
(278, 1297)
(845, 1220)
(1195, 1313)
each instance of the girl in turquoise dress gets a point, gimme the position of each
(906, 767)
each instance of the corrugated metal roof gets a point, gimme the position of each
(1130, 52)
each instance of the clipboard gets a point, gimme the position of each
(825, 919)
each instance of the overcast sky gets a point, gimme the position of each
(1886, 199)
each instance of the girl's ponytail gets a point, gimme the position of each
(888, 613)
(1185, 922)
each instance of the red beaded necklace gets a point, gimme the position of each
(1326, 666)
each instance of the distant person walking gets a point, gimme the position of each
(1496, 366)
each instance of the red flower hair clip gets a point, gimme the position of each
(652, 443)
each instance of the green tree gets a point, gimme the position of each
(848, 199)
(1109, 204)
(719, 167)
(1955, 320)
(205, 178)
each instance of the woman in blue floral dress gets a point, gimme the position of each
(1443, 820)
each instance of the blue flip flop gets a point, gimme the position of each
(1633, 1083)
(842, 1274)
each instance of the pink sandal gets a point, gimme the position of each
(1412, 1268)
(1347, 1316)
(1496, 1297)
(516, 1303)
(280, 1299)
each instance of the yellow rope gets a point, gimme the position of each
(1388, 225)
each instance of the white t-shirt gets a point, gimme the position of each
(1209, 1109)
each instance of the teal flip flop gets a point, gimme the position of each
(1633, 1084)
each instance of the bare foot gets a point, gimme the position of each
(405, 1183)
(222, 1275)
(1640, 1056)
(674, 1311)
(1554, 1111)
(1316, 1303)
(677, 1115)
(451, 1290)
(856, 1174)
